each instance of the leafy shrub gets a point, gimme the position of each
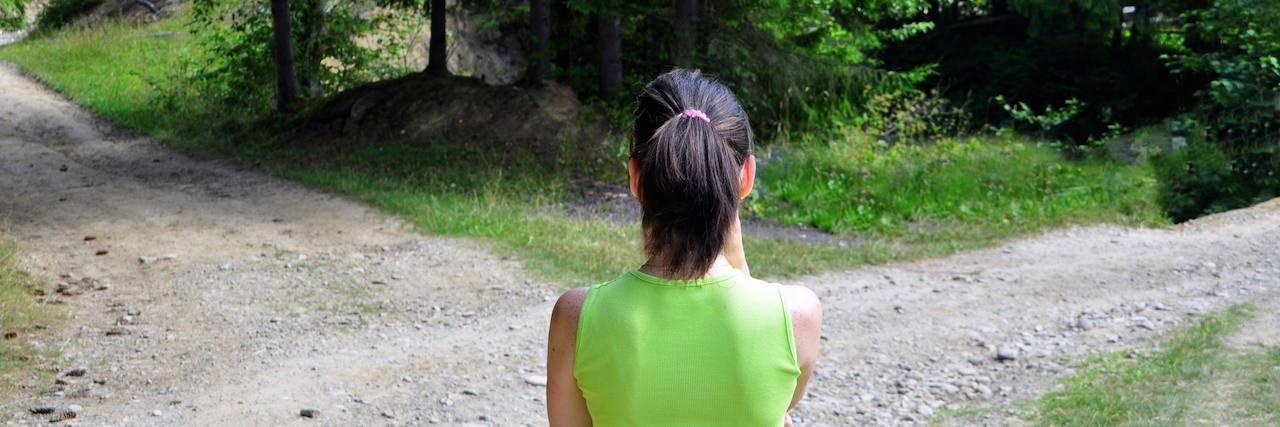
(913, 117)
(59, 13)
(12, 14)
(236, 68)
(1205, 179)
(1234, 158)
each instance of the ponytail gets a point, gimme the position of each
(690, 141)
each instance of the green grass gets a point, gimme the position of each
(20, 316)
(904, 202)
(1191, 379)
(974, 188)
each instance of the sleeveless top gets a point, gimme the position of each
(716, 351)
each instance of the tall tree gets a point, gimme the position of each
(686, 32)
(437, 55)
(286, 69)
(610, 30)
(540, 17)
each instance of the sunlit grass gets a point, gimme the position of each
(973, 188)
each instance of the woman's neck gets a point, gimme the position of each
(719, 267)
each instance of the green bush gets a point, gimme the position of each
(59, 13)
(1205, 179)
(235, 68)
(12, 14)
(1234, 158)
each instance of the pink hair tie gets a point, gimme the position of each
(694, 113)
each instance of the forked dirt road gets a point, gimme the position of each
(225, 297)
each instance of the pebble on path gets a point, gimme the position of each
(538, 380)
(309, 412)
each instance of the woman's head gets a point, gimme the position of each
(690, 142)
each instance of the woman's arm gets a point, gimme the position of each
(806, 321)
(565, 404)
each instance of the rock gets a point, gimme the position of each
(75, 408)
(948, 388)
(966, 371)
(389, 414)
(78, 371)
(1084, 324)
(1006, 353)
(983, 390)
(1113, 338)
(924, 410)
(146, 259)
(156, 413)
(309, 412)
(536, 380)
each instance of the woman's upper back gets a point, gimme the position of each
(713, 351)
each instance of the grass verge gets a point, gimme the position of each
(20, 317)
(1190, 378)
(904, 202)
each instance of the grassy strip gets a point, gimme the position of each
(905, 202)
(19, 316)
(980, 187)
(1171, 386)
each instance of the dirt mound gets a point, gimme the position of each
(433, 108)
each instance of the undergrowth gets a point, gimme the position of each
(902, 202)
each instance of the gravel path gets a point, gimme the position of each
(225, 297)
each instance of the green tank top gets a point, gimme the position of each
(716, 351)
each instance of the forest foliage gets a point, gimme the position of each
(1084, 73)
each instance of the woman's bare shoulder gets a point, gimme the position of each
(802, 301)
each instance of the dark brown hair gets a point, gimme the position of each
(689, 169)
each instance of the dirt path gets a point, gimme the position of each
(278, 298)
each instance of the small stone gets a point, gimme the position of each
(924, 410)
(1006, 353)
(950, 389)
(983, 390)
(484, 417)
(966, 371)
(309, 412)
(75, 408)
(146, 259)
(78, 371)
(156, 413)
(389, 414)
(536, 380)
(1084, 324)
(1113, 338)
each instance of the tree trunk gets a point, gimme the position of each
(313, 46)
(286, 69)
(686, 32)
(566, 52)
(438, 53)
(540, 15)
(610, 55)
